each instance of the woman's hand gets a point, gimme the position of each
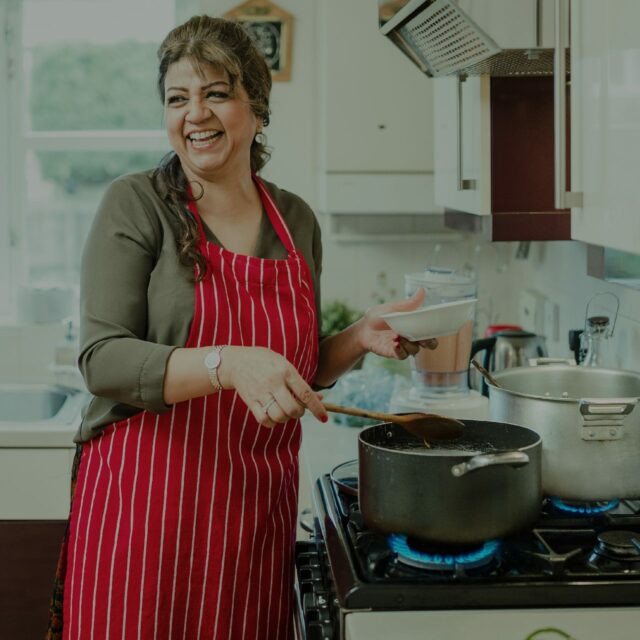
(376, 336)
(269, 385)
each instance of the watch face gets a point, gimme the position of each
(212, 359)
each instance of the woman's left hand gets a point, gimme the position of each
(377, 337)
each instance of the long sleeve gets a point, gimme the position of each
(116, 359)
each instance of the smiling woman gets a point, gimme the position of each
(200, 345)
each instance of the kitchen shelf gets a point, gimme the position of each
(372, 238)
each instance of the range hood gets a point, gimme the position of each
(493, 37)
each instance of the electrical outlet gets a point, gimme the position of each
(551, 320)
(531, 312)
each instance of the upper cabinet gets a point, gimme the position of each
(495, 156)
(378, 109)
(463, 145)
(605, 122)
(376, 114)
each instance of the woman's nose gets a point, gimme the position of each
(198, 111)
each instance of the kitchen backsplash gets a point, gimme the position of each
(555, 270)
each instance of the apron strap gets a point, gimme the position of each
(275, 217)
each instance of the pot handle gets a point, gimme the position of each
(538, 362)
(603, 418)
(512, 458)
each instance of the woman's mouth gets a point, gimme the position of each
(202, 139)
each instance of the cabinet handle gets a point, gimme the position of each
(563, 199)
(463, 185)
(539, 23)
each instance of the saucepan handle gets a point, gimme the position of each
(512, 458)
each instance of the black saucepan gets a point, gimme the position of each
(483, 486)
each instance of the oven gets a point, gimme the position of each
(574, 575)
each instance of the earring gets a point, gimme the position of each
(260, 138)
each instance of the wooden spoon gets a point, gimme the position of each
(486, 375)
(428, 426)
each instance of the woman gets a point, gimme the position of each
(199, 329)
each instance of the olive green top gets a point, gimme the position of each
(137, 298)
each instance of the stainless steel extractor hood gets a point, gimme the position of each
(494, 37)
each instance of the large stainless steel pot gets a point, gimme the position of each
(485, 486)
(590, 430)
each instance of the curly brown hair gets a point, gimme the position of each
(227, 46)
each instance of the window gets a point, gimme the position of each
(79, 109)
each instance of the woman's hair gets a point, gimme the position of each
(227, 46)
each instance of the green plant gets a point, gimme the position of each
(337, 316)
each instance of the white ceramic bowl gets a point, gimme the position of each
(432, 322)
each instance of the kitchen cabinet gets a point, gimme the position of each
(376, 114)
(462, 143)
(495, 156)
(605, 122)
(28, 558)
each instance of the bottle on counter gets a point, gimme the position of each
(594, 341)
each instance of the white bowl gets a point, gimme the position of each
(431, 322)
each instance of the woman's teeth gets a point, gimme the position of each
(203, 138)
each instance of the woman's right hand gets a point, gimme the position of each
(268, 384)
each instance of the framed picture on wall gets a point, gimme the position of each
(272, 30)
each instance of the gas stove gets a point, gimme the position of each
(575, 574)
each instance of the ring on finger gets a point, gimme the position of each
(265, 407)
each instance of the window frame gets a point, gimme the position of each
(13, 176)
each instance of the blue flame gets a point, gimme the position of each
(586, 509)
(399, 544)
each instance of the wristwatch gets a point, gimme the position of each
(212, 362)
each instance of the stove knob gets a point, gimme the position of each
(310, 574)
(309, 603)
(320, 631)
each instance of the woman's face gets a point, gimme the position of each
(210, 127)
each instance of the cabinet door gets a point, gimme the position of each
(377, 107)
(30, 550)
(605, 117)
(462, 143)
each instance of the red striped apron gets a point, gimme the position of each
(183, 524)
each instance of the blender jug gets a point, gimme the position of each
(443, 370)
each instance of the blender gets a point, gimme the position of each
(439, 378)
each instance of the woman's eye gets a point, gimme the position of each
(174, 99)
(217, 95)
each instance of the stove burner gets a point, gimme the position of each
(619, 549)
(583, 508)
(441, 557)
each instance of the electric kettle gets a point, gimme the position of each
(510, 348)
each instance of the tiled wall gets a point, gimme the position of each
(557, 270)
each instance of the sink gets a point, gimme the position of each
(36, 415)
(30, 403)
(34, 403)
(37, 426)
